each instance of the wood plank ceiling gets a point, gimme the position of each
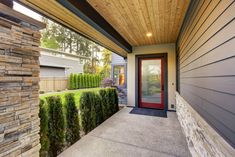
(133, 19)
(53, 10)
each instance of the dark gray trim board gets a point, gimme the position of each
(56, 67)
(66, 25)
(158, 55)
(87, 13)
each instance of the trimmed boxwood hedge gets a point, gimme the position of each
(60, 123)
(79, 81)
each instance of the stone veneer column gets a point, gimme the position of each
(19, 84)
(203, 140)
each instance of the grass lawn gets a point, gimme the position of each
(77, 94)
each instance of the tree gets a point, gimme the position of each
(56, 125)
(71, 81)
(106, 59)
(48, 39)
(44, 140)
(60, 38)
(72, 129)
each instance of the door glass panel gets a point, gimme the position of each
(151, 81)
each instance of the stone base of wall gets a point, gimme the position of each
(203, 140)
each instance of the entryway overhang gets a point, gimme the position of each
(117, 25)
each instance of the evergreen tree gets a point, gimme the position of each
(72, 130)
(56, 125)
(79, 81)
(71, 81)
(44, 140)
(106, 59)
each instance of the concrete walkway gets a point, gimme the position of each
(133, 135)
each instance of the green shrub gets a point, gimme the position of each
(72, 131)
(111, 101)
(104, 103)
(41, 92)
(85, 114)
(71, 81)
(93, 81)
(82, 81)
(114, 99)
(56, 125)
(99, 81)
(95, 107)
(93, 110)
(43, 129)
(89, 81)
(79, 81)
(98, 110)
(75, 76)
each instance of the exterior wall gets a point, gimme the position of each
(131, 70)
(119, 60)
(51, 72)
(205, 54)
(203, 140)
(19, 89)
(71, 65)
(116, 59)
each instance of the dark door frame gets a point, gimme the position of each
(164, 58)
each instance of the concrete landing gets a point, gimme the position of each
(133, 135)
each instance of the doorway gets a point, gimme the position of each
(151, 82)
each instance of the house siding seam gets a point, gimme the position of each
(206, 57)
(202, 139)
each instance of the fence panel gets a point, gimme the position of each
(50, 84)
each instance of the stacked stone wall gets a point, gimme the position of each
(203, 140)
(19, 88)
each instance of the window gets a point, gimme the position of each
(119, 75)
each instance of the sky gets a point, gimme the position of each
(27, 11)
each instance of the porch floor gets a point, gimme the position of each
(133, 135)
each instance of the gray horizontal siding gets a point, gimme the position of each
(52, 72)
(206, 63)
(71, 65)
(116, 59)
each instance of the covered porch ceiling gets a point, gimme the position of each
(117, 24)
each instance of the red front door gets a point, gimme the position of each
(151, 83)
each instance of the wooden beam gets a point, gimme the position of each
(87, 13)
